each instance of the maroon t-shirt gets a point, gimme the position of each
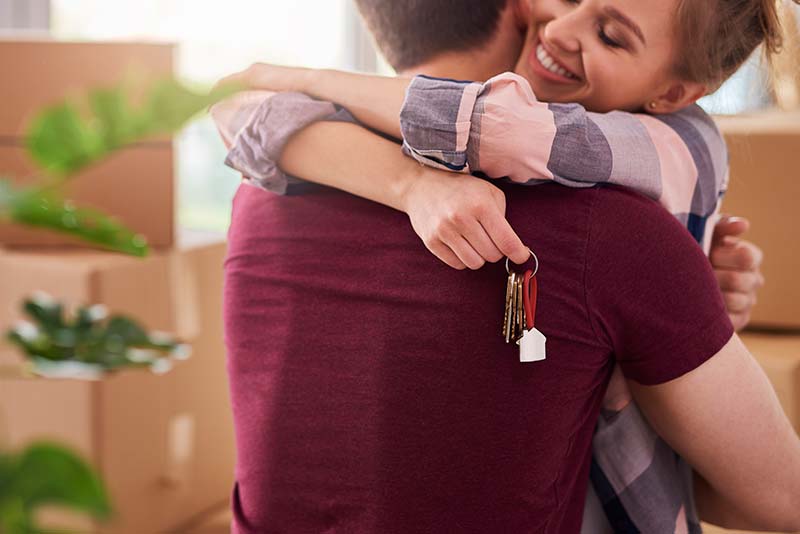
(372, 389)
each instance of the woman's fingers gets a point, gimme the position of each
(729, 227)
(740, 256)
(461, 247)
(468, 255)
(739, 281)
(504, 237)
(479, 239)
(488, 239)
(739, 302)
(444, 253)
(739, 320)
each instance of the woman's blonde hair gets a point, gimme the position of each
(717, 36)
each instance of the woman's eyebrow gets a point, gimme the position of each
(620, 17)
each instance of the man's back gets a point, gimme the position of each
(385, 396)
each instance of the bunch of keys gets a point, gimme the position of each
(520, 313)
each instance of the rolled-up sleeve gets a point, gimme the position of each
(436, 121)
(258, 130)
(445, 123)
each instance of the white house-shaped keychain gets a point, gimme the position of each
(532, 343)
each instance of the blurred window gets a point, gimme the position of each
(24, 14)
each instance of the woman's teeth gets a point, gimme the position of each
(550, 64)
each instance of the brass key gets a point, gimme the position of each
(507, 309)
(510, 307)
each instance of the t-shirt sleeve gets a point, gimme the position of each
(651, 293)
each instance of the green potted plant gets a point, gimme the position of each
(64, 139)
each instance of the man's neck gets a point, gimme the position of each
(459, 66)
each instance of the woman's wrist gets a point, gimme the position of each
(407, 186)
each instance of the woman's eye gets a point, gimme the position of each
(608, 40)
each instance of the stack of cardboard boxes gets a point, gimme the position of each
(764, 187)
(765, 182)
(163, 444)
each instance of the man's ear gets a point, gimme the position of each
(522, 13)
(676, 97)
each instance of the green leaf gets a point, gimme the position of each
(14, 518)
(111, 109)
(127, 332)
(48, 312)
(89, 343)
(49, 474)
(63, 140)
(37, 208)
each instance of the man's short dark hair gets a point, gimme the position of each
(411, 32)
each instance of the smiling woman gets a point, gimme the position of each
(214, 40)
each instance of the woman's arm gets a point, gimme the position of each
(374, 100)
(501, 129)
(461, 219)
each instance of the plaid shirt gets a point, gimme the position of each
(499, 129)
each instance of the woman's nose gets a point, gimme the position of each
(563, 33)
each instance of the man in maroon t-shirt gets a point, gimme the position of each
(373, 392)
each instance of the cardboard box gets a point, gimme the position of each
(163, 444)
(137, 185)
(779, 356)
(765, 187)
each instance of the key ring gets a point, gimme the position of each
(535, 258)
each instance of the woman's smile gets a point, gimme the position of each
(548, 66)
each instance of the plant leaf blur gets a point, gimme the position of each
(73, 134)
(88, 344)
(47, 474)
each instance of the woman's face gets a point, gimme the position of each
(603, 54)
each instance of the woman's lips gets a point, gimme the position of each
(544, 66)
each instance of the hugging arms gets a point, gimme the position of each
(461, 220)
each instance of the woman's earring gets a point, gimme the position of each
(652, 105)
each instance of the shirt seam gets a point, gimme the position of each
(586, 297)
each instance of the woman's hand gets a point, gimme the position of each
(264, 76)
(737, 264)
(461, 220)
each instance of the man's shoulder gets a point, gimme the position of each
(638, 237)
(621, 208)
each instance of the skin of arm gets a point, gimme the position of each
(375, 101)
(725, 420)
(460, 218)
